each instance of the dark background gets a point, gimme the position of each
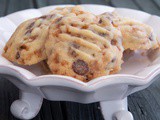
(145, 105)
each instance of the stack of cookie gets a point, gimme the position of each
(77, 43)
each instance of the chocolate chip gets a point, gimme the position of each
(17, 55)
(31, 25)
(59, 19)
(76, 46)
(74, 54)
(53, 15)
(23, 47)
(151, 37)
(113, 60)
(93, 55)
(113, 42)
(100, 21)
(80, 67)
(112, 22)
(28, 31)
(105, 46)
(43, 17)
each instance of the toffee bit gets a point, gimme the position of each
(105, 46)
(113, 42)
(34, 37)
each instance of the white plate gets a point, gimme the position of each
(136, 74)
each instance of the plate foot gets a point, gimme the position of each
(27, 107)
(116, 110)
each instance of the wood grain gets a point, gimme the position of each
(148, 6)
(102, 2)
(42, 3)
(16, 5)
(3, 5)
(125, 3)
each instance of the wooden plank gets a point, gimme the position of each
(157, 2)
(103, 2)
(2, 7)
(145, 105)
(125, 4)
(42, 3)
(8, 93)
(148, 6)
(16, 5)
(76, 111)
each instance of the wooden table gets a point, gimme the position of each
(145, 105)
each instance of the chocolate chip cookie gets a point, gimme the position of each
(136, 35)
(79, 47)
(26, 46)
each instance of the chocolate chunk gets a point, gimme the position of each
(112, 22)
(31, 25)
(80, 67)
(105, 46)
(17, 55)
(113, 42)
(151, 37)
(113, 60)
(76, 46)
(43, 17)
(53, 15)
(23, 47)
(72, 52)
(28, 31)
(59, 19)
(100, 21)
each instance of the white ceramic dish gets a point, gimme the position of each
(111, 91)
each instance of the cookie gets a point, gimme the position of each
(136, 35)
(26, 46)
(79, 47)
(67, 10)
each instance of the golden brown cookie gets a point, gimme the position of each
(79, 47)
(136, 35)
(67, 10)
(26, 46)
